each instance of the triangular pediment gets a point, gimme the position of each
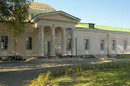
(59, 15)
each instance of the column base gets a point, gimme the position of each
(63, 56)
(41, 57)
(72, 56)
(52, 56)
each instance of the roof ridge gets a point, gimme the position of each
(106, 25)
(103, 27)
(113, 26)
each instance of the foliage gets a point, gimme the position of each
(14, 13)
(42, 80)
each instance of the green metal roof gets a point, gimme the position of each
(101, 27)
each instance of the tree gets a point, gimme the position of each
(14, 13)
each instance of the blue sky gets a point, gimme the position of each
(102, 12)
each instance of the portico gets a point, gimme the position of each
(53, 41)
(56, 23)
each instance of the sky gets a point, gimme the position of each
(101, 12)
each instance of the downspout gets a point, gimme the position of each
(108, 43)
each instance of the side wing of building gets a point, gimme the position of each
(100, 42)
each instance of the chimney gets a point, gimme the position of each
(91, 25)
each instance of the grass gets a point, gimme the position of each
(122, 57)
(103, 74)
(115, 57)
(105, 77)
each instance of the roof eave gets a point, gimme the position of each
(56, 12)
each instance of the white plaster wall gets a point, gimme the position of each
(95, 36)
(120, 37)
(29, 31)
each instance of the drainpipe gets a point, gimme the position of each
(108, 43)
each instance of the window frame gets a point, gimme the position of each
(29, 43)
(113, 44)
(86, 44)
(126, 45)
(69, 44)
(102, 44)
(4, 43)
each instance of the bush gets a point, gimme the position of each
(42, 80)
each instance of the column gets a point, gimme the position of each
(63, 45)
(73, 47)
(41, 41)
(52, 51)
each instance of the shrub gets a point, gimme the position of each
(42, 80)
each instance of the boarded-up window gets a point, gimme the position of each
(113, 45)
(102, 43)
(29, 43)
(86, 44)
(124, 45)
(4, 42)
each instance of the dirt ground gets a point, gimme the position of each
(21, 73)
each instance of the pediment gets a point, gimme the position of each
(59, 15)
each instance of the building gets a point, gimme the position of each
(57, 33)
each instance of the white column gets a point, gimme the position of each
(41, 41)
(63, 45)
(73, 47)
(52, 51)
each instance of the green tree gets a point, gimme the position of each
(14, 13)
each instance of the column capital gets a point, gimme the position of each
(72, 28)
(52, 26)
(41, 26)
(65, 28)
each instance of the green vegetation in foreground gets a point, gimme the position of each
(122, 57)
(105, 74)
(115, 57)
(106, 77)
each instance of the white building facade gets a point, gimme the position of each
(56, 33)
(99, 42)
